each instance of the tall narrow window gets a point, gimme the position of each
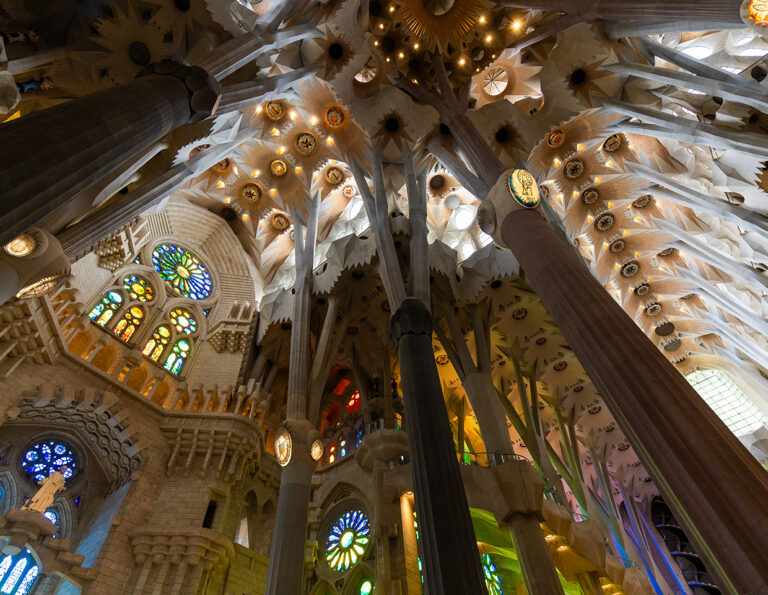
(726, 399)
(103, 312)
(128, 324)
(18, 573)
(156, 345)
(177, 357)
(210, 512)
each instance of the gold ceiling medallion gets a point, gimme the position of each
(349, 191)
(590, 196)
(613, 143)
(630, 269)
(334, 176)
(522, 186)
(757, 11)
(306, 144)
(278, 168)
(653, 309)
(573, 169)
(604, 222)
(334, 116)
(556, 138)
(251, 192)
(198, 149)
(279, 222)
(222, 166)
(617, 245)
(440, 22)
(643, 201)
(642, 289)
(274, 110)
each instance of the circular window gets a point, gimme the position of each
(492, 579)
(22, 245)
(182, 271)
(44, 458)
(347, 540)
(183, 321)
(495, 81)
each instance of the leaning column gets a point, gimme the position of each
(50, 157)
(714, 486)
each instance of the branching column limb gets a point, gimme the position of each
(417, 216)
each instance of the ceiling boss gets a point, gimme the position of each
(523, 188)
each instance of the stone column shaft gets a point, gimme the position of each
(48, 157)
(535, 561)
(449, 548)
(714, 486)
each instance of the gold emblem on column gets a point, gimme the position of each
(523, 188)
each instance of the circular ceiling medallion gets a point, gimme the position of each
(523, 188)
(349, 191)
(198, 149)
(667, 252)
(642, 289)
(757, 10)
(274, 110)
(541, 340)
(334, 176)
(673, 345)
(22, 245)
(666, 329)
(643, 201)
(278, 168)
(306, 143)
(544, 190)
(279, 222)
(595, 409)
(573, 169)
(495, 81)
(251, 192)
(630, 269)
(520, 313)
(590, 196)
(222, 166)
(653, 309)
(613, 143)
(316, 450)
(442, 359)
(334, 117)
(617, 246)
(623, 446)
(560, 366)
(604, 222)
(555, 138)
(437, 182)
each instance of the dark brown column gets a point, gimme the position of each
(49, 157)
(714, 486)
(447, 538)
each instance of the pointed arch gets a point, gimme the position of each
(108, 305)
(128, 323)
(155, 346)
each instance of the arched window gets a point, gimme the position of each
(103, 312)
(18, 573)
(366, 587)
(182, 271)
(177, 357)
(347, 539)
(44, 458)
(138, 288)
(156, 345)
(52, 516)
(492, 579)
(128, 324)
(726, 399)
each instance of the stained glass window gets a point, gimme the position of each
(18, 573)
(156, 345)
(46, 457)
(347, 540)
(492, 578)
(138, 288)
(183, 321)
(53, 517)
(366, 588)
(182, 271)
(103, 312)
(128, 324)
(177, 357)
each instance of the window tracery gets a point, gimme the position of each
(182, 271)
(18, 573)
(45, 457)
(127, 325)
(347, 539)
(103, 312)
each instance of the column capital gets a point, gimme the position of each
(411, 318)
(203, 89)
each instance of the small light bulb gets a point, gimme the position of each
(416, 46)
(488, 38)
(462, 61)
(401, 55)
(381, 25)
(517, 24)
(482, 19)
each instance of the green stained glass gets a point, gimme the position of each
(347, 540)
(156, 345)
(138, 288)
(492, 578)
(366, 588)
(177, 357)
(103, 312)
(182, 271)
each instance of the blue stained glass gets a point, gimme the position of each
(5, 564)
(492, 578)
(44, 458)
(347, 540)
(182, 271)
(26, 584)
(14, 576)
